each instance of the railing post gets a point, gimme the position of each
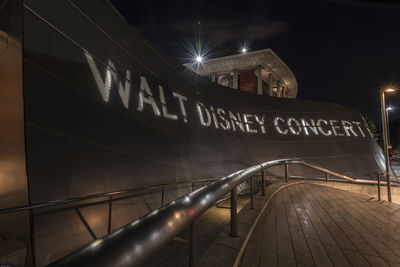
(192, 250)
(233, 212)
(326, 177)
(389, 190)
(379, 185)
(263, 182)
(109, 214)
(286, 172)
(162, 195)
(251, 193)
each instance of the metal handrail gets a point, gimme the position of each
(101, 195)
(345, 177)
(135, 242)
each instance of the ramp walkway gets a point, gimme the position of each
(292, 222)
(312, 225)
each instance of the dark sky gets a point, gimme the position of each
(340, 51)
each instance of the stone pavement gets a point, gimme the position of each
(312, 225)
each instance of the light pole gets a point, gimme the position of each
(388, 123)
(385, 139)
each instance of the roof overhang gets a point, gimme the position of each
(265, 58)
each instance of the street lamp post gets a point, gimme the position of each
(388, 109)
(385, 139)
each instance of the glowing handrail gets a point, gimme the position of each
(132, 244)
(135, 242)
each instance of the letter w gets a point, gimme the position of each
(105, 86)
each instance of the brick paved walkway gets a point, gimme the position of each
(311, 225)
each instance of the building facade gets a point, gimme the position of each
(261, 72)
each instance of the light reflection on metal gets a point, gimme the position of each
(154, 213)
(95, 243)
(141, 240)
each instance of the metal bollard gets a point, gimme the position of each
(379, 185)
(234, 212)
(263, 183)
(251, 193)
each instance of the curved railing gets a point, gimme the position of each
(135, 242)
(132, 244)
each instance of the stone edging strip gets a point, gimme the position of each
(250, 232)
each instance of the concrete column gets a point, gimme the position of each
(278, 88)
(235, 79)
(213, 77)
(284, 91)
(259, 80)
(270, 85)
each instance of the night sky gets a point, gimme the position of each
(340, 51)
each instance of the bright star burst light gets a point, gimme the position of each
(199, 51)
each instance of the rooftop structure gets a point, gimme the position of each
(261, 72)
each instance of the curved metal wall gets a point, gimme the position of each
(105, 110)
